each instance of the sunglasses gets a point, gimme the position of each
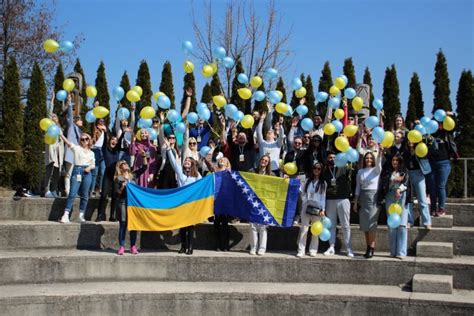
(351, 118)
(316, 168)
(192, 143)
(84, 139)
(171, 137)
(298, 143)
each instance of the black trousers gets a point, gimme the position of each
(187, 234)
(221, 231)
(107, 190)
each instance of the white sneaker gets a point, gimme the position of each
(253, 252)
(261, 252)
(49, 194)
(350, 254)
(313, 253)
(81, 218)
(300, 254)
(65, 218)
(330, 252)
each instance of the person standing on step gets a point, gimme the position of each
(98, 137)
(74, 132)
(122, 177)
(313, 206)
(54, 160)
(84, 163)
(144, 166)
(271, 145)
(338, 193)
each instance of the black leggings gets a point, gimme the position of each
(187, 234)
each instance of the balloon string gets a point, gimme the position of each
(212, 130)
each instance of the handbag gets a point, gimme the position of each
(313, 210)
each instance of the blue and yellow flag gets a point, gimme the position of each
(162, 210)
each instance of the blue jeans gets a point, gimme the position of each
(440, 171)
(98, 172)
(398, 236)
(123, 231)
(81, 187)
(418, 184)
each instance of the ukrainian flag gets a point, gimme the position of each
(162, 210)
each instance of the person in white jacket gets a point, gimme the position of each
(270, 146)
(53, 160)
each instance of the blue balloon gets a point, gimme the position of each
(259, 96)
(228, 62)
(431, 127)
(204, 151)
(352, 155)
(296, 83)
(243, 79)
(273, 97)
(378, 134)
(219, 52)
(394, 220)
(231, 110)
(173, 116)
(440, 115)
(180, 128)
(334, 103)
(187, 47)
(350, 93)
(341, 160)
(424, 120)
(377, 104)
(90, 117)
(371, 121)
(307, 124)
(61, 95)
(53, 130)
(344, 77)
(118, 93)
(66, 46)
(322, 96)
(302, 110)
(325, 235)
(289, 112)
(205, 114)
(123, 114)
(192, 117)
(326, 222)
(144, 123)
(420, 128)
(201, 107)
(164, 102)
(239, 116)
(271, 73)
(152, 133)
(338, 125)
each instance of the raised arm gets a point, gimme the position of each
(177, 168)
(260, 128)
(187, 103)
(328, 116)
(132, 117)
(118, 130)
(281, 134)
(223, 131)
(269, 118)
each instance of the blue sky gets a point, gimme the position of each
(374, 33)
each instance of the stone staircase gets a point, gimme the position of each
(48, 268)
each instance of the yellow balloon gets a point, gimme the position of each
(340, 83)
(45, 123)
(388, 139)
(219, 101)
(448, 123)
(91, 91)
(301, 92)
(50, 46)
(317, 228)
(137, 135)
(138, 90)
(281, 107)
(334, 91)
(350, 130)
(188, 66)
(290, 168)
(256, 82)
(329, 129)
(339, 114)
(414, 136)
(68, 85)
(147, 112)
(247, 121)
(280, 163)
(421, 150)
(133, 96)
(245, 93)
(394, 208)
(50, 140)
(157, 95)
(342, 143)
(214, 68)
(207, 71)
(279, 93)
(100, 111)
(357, 103)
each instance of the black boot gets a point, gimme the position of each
(100, 218)
(189, 240)
(371, 253)
(183, 249)
(182, 235)
(367, 251)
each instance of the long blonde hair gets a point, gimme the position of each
(119, 173)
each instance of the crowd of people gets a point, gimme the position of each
(107, 160)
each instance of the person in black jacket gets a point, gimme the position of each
(242, 150)
(314, 152)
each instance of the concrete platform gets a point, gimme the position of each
(58, 266)
(224, 298)
(434, 249)
(445, 221)
(432, 283)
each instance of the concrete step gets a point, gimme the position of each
(432, 249)
(91, 235)
(445, 221)
(432, 283)
(223, 298)
(57, 266)
(39, 209)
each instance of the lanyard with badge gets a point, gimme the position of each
(241, 156)
(198, 138)
(333, 179)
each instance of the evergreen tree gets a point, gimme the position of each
(206, 96)
(325, 82)
(78, 68)
(294, 100)
(260, 105)
(310, 98)
(33, 144)
(144, 81)
(12, 163)
(368, 81)
(391, 99)
(236, 85)
(189, 82)
(349, 72)
(102, 90)
(280, 86)
(58, 85)
(166, 85)
(415, 101)
(125, 84)
(216, 85)
(441, 83)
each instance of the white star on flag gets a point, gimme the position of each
(240, 183)
(245, 190)
(261, 211)
(256, 204)
(266, 218)
(234, 175)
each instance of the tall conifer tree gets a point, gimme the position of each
(189, 82)
(78, 68)
(441, 82)
(166, 85)
(125, 84)
(310, 98)
(368, 81)
(102, 90)
(236, 85)
(415, 101)
(325, 82)
(144, 81)
(206, 96)
(58, 85)
(391, 99)
(349, 72)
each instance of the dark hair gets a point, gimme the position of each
(400, 160)
(364, 165)
(268, 168)
(330, 152)
(321, 186)
(193, 172)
